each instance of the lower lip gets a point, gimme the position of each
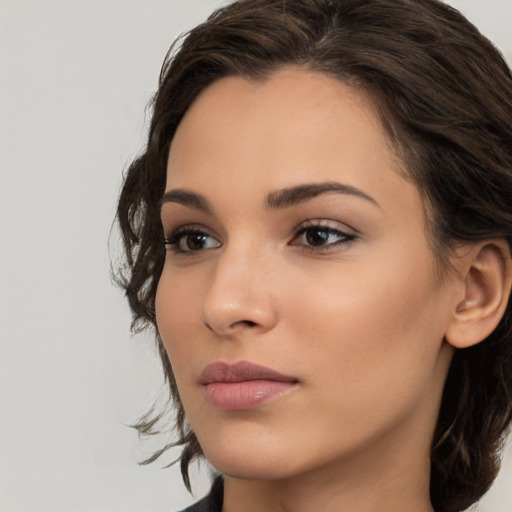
(235, 396)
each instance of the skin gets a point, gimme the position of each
(358, 323)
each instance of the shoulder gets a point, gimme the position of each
(212, 502)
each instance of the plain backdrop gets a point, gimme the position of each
(75, 76)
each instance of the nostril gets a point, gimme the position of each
(247, 323)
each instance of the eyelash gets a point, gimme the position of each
(321, 227)
(173, 242)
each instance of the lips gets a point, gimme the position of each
(243, 385)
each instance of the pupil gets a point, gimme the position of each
(195, 242)
(317, 237)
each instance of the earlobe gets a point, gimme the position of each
(487, 273)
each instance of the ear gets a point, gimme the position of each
(486, 272)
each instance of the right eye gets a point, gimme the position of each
(188, 240)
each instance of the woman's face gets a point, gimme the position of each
(299, 303)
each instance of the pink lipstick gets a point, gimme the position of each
(242, 385)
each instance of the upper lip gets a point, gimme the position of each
(241, 371)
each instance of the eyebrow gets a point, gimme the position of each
(187, 198)
(301, 193)
(283, 198)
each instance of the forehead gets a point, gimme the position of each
(295, 126)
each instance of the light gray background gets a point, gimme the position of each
(75, 78)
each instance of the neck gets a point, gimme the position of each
(386, 478)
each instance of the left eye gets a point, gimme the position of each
(190, 241)
(321, 236)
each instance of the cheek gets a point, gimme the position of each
(177, 312)
(372, 328)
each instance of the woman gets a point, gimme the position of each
(319, 229)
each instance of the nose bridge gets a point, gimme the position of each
(239, 294)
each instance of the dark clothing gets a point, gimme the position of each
(212, 502)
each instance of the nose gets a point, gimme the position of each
(239, 297)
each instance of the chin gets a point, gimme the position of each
(257, 460)
(244, 469)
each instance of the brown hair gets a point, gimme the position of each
(445, 98)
